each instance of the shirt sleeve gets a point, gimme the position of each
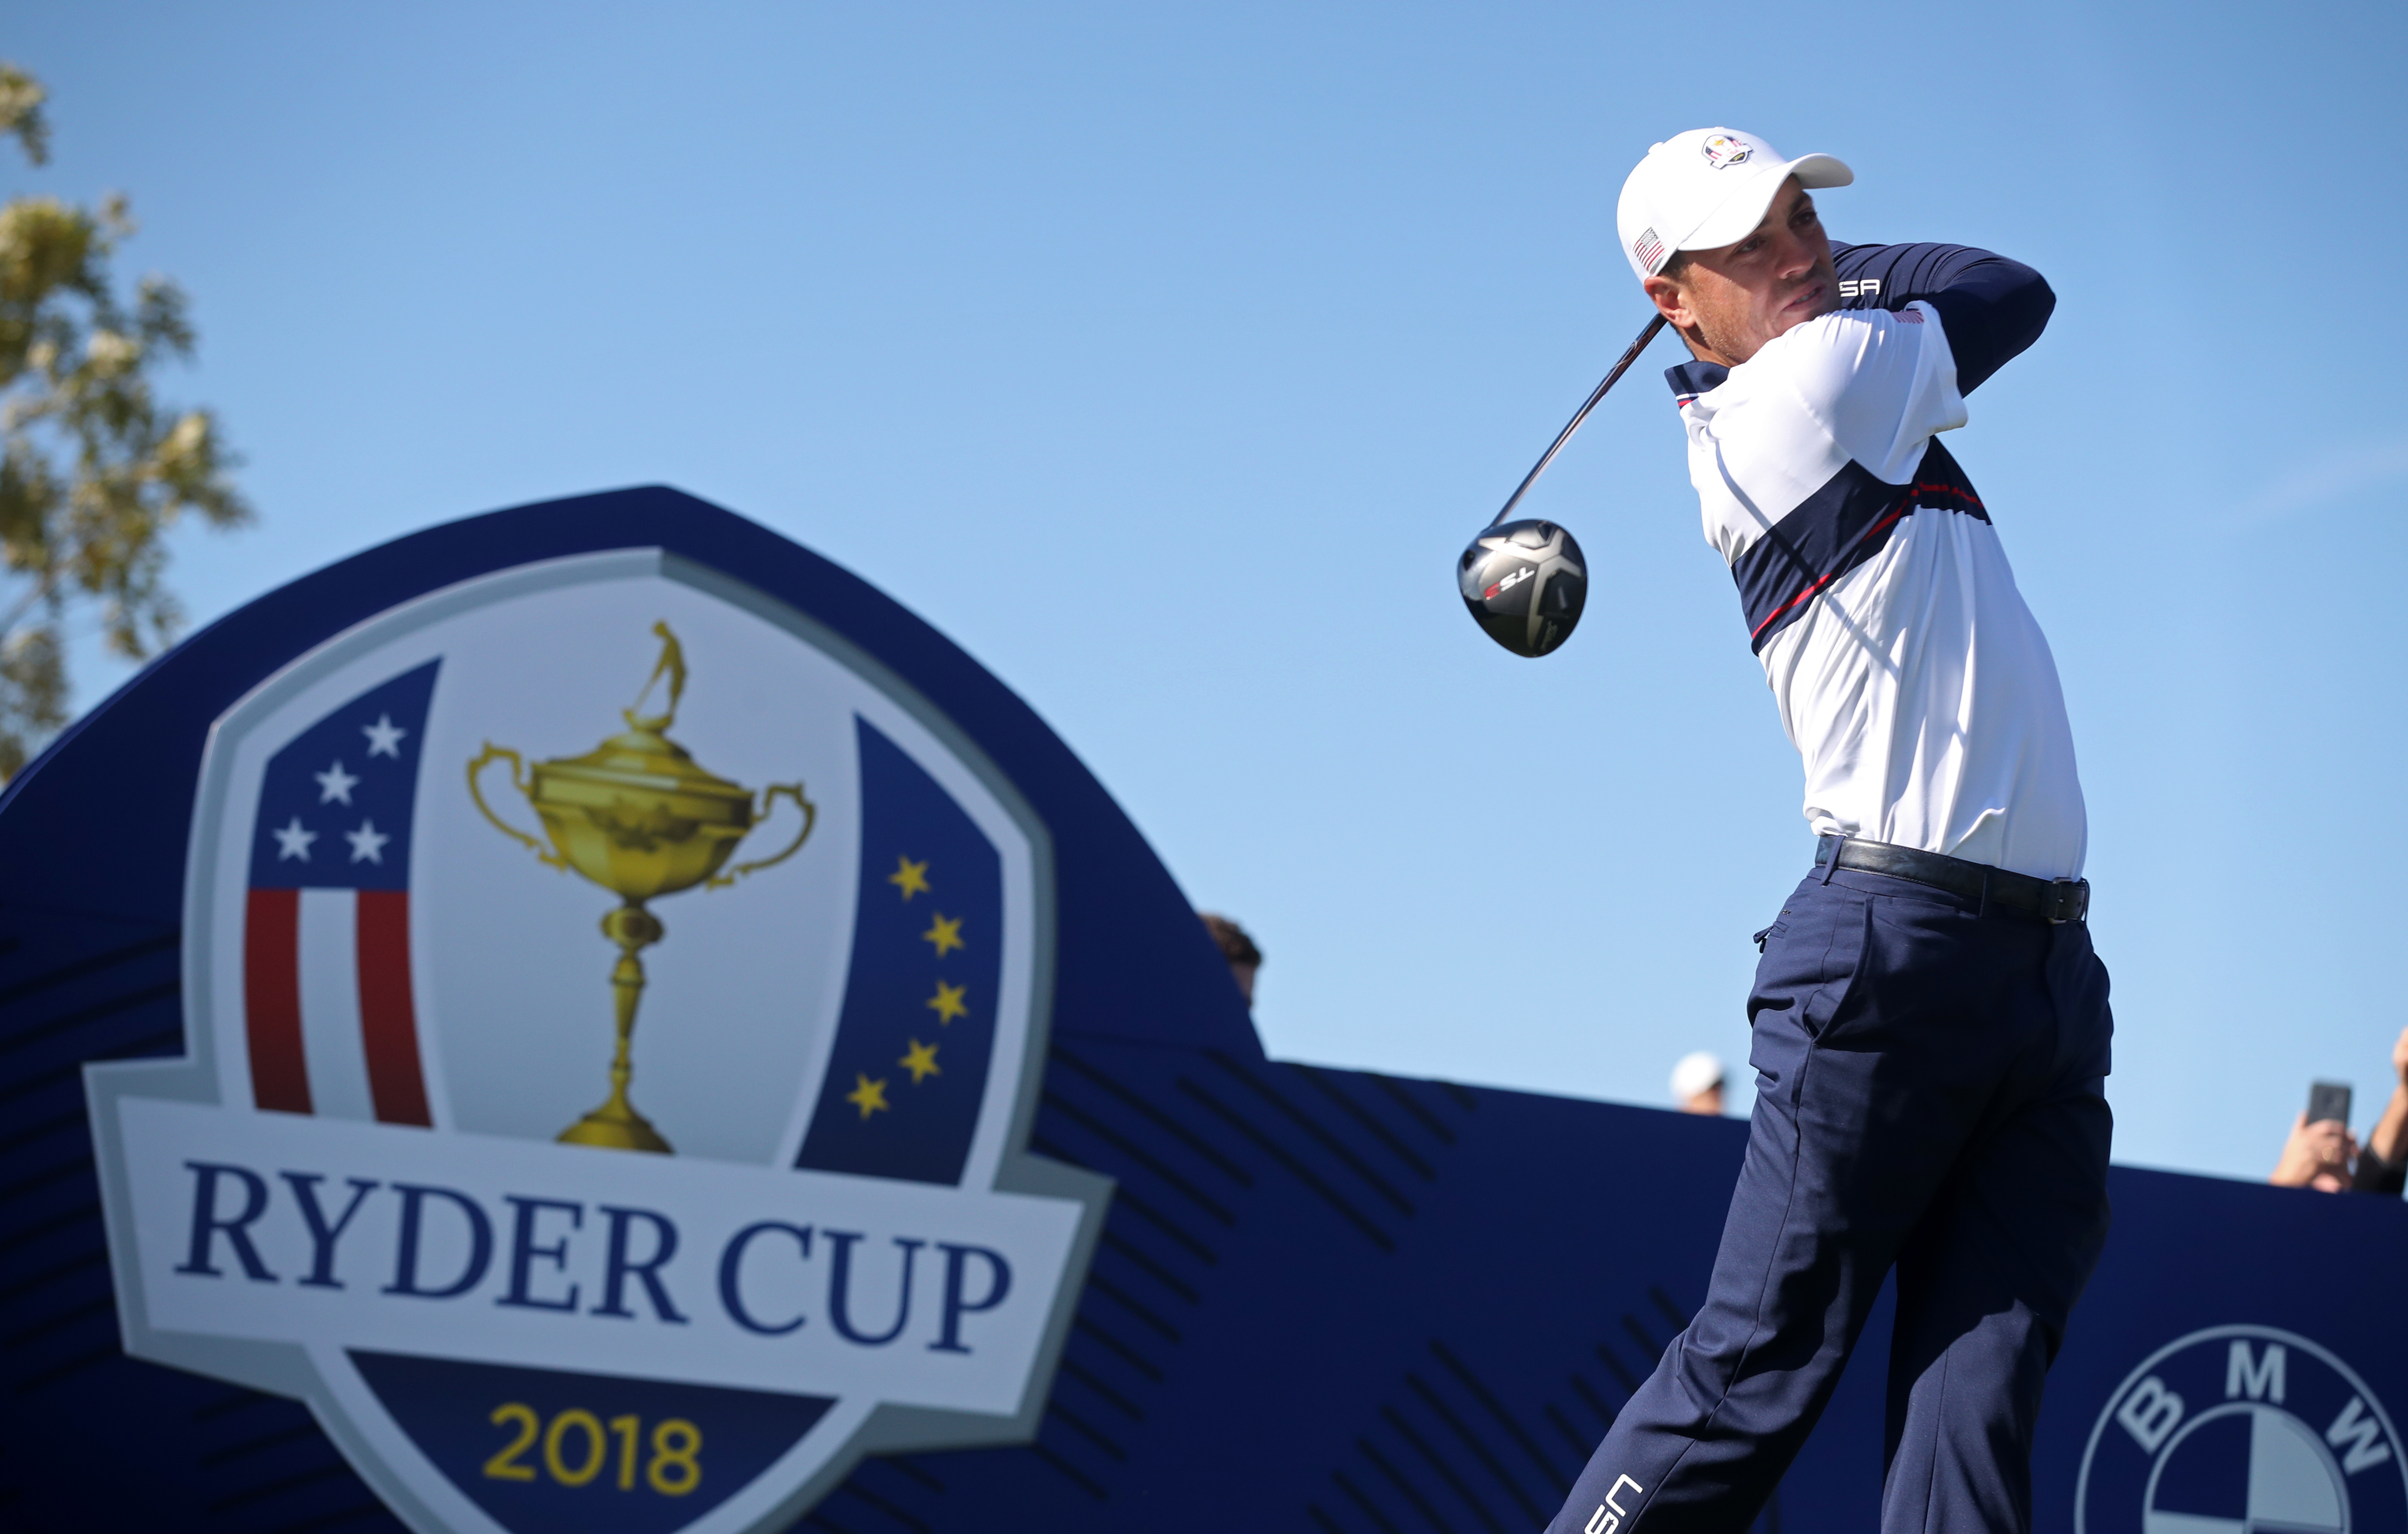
(1880, 386)
(2375, 1175)
(1993, 308)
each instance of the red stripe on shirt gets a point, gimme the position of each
(1822, 582)
(271, 1000)
(1959, 491)
(388, 1021)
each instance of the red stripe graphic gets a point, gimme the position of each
(1959, 491)
(271, 998)
(1822, 582)
(388, 1021)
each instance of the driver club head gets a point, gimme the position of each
(1524, 584)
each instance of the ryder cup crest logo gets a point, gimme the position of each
(2243, 1429)
(1722, 151)
(621, 1134)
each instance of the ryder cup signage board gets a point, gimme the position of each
(561, 1115)
(591, 1018)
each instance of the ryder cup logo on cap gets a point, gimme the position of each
(2240, 1428)
(1722, 150)
(1705, 189)
(657, 1226)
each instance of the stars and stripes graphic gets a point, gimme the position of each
(1648, 248)
(326, 993)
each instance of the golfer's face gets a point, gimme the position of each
(1777, 278)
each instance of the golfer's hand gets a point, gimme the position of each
(2316, 1156)
(2400, 1057)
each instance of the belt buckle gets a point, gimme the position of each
(2069, 900)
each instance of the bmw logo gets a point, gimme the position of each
(2243, 1430)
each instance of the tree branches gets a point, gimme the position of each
(93, 468)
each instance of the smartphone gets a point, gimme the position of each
(2329, 1101)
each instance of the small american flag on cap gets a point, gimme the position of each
(1648, 248)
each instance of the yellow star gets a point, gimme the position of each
(909, 877)
(921, 1062)
(868, 1095)
(947, 1003)
(946, 935)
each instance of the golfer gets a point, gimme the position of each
(1930, 1026)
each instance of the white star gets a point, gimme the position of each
(336, 783)
(367, 842)
(384, 737)
(292, 841)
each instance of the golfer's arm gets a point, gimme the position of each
(1991, 308)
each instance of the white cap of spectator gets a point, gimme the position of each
(1698, 1082)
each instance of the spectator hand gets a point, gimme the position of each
(2317, 1156)
(2388, 1141)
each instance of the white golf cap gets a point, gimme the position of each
(1707, 187)
(1695, 1074)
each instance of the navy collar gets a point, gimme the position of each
(1692, 378)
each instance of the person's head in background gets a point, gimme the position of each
(1697, 1083)
(1239, 949)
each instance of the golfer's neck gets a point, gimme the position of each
(1695, 338)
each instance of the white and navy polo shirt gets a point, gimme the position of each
(1913, 682)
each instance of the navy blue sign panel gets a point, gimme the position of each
(982, 1208)
(2238, 1363)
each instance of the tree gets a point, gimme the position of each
(93, 469)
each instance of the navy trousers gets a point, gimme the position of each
(1930, 1097)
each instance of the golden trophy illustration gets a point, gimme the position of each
(637, 817)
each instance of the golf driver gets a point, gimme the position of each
(1526, 581)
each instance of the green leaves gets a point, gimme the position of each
(20, 112)
(94, 468)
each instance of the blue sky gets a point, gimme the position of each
(1165, 357)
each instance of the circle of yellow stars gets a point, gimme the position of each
(944, 935)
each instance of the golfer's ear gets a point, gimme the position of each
(1669, 300)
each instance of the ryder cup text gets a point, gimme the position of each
(771, 1277)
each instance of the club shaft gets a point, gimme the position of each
(1578, 416)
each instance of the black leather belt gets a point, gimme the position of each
(2051, 899)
